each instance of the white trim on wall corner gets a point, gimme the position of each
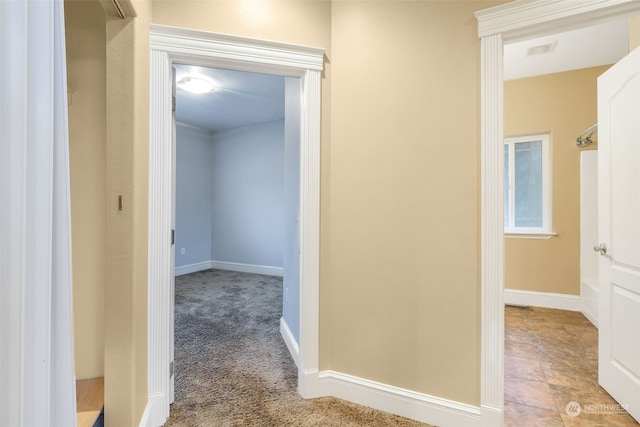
(589, 291)
(267, 270)
(194, 128)
(290, 341)
(145, 421)
(542, 299)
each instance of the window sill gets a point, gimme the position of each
(529, 235)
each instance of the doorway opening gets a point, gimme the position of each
(512, 21)
(237, 172)
(237, 186)
(547, 268)
(171, 46)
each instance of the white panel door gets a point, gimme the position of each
(619, 230)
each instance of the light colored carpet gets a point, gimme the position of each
(232, 366)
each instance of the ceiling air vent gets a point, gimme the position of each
(541, 49)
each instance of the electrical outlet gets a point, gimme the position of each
(182, 251)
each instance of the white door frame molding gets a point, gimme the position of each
(172, 45)
(509, 22)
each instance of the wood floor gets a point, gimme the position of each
(89, 401)
(551, 372)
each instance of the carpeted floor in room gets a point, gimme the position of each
(232, 367)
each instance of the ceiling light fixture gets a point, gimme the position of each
(195, 85)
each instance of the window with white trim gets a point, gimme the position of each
(527, 185)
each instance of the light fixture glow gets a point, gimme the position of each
(195, 85)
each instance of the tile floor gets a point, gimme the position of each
(551, 359)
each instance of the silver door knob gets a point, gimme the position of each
(602, 248)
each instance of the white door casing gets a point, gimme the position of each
(619, 230)
(170, 45)
(172, 283)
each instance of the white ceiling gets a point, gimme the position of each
(583, 48)
(239, 99)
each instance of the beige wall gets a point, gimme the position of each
(400, 252)
(86, 62)
(403, 261)
(634, 33)
(399, 282)
(108, 78)
(127, 168)
(563, 104)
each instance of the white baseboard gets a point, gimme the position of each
(145, 421)
(248, 268)
(290, 341)
(156, 412)
(418, 406)
(192, 268)
(542, 299)
(230, 266)
(589, 300)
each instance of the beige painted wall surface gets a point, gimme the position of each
(634, 33)
(404, 250)
(399, 283)
(86, 62)
(127, 166)
(400, 187)
(563, 104)
(290, 21)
